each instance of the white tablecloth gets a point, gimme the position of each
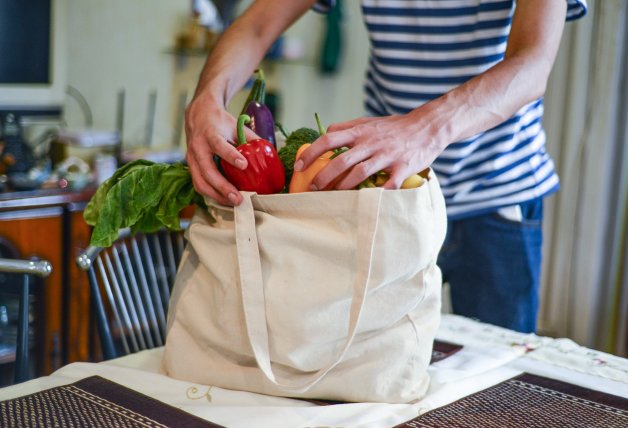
(490, 355)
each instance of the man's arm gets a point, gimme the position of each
(405, 144)
(209, 127)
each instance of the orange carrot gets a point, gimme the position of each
(301, 180)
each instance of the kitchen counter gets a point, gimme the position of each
(48, 224)
(44, 197)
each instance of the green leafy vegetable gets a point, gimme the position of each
(142, 195)
(98, 200)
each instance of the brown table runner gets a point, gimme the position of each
(442, 350)
(529, 401)
(93, 402)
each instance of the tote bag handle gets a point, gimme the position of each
(250, 267)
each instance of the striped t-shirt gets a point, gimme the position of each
(421, 49)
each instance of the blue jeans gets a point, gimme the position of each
(493, 267)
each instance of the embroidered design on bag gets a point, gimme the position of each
(193, 393)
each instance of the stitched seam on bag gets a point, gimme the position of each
(176, 293)
(188, 287)
(430, 185)
(419, 301)
(422, 298)
(415, 328)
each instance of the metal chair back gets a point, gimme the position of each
(27, 268)
(130, 285)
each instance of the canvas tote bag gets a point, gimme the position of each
(329, 295)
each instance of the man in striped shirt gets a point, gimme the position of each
(452, 84)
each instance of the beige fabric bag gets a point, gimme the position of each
(332, 295)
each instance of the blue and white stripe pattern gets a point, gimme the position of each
(421, 49)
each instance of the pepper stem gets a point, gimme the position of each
(242, 120)
(321, 129)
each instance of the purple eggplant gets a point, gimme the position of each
(262, 121)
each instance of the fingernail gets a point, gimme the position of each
(313, 187)
(298, 165)
(239, 163)
(233, 198)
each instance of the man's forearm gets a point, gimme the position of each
(494, 96)
(485, 101)
(243, 45)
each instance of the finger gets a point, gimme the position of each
(341, 126)
(226, 193)
(198, 151)
(227, 152)
(209, 181)
(199, 182)
(396, 178)
(329, 141)
(249, 134)
(360, 172)
(339, 168)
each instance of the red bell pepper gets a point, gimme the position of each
(264, 173)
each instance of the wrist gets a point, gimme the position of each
(437, 119)
(212, 90)
(208, 97)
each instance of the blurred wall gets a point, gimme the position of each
(126, 45)
(121, 45)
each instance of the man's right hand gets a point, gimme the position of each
(211, 130)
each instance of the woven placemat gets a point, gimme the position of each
(93, 402)
(529, 401)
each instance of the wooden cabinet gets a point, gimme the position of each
(50, 225)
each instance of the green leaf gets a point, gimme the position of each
(179, 195)
(96, 203)
(126, 203)
(144, 197)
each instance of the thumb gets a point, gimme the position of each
(250, 134)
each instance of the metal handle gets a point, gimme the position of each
(42, 268)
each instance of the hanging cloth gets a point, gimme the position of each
(332, 41)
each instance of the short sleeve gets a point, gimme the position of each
(576, 9)
(323, 6)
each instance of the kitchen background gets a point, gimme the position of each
(104, 51)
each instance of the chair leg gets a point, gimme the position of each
(106, 339)
(21, 355)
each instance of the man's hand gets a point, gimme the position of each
(210, 130)
(400, 145)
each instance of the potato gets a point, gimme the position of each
(412, 182)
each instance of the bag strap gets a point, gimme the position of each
(252, 285)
